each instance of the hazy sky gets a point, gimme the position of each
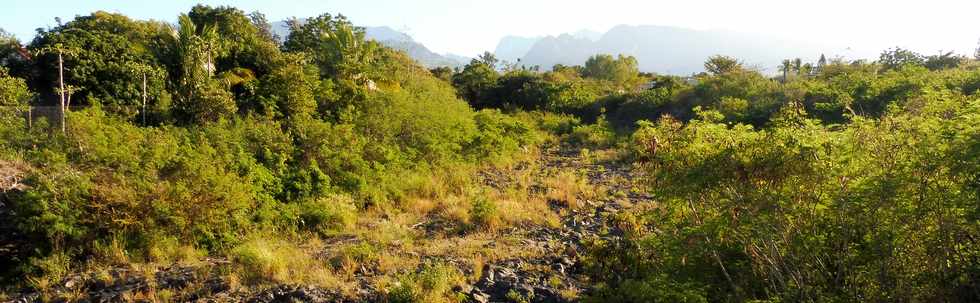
(468, 27)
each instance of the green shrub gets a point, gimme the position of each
(433, 283)
(599, 134)
(746, 213)
(651, 289)
(328, 215)
(49, 270)
(484, 213)
(554, 123)
(499, 135)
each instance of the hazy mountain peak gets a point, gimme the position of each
(666, 49)
(384, 33)
(511, 48)
(587, 34)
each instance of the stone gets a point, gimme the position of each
(566, 261)
(480, 297)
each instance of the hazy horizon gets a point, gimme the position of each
(470, 27)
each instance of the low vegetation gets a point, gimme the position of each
(326, 159)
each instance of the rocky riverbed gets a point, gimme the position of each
(555, 275)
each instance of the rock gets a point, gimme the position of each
(70, 284)
(465, 288)
(546, 295)
(487, 277)
(507, 273)
(566, 261)
(480, 297)
(525, 290)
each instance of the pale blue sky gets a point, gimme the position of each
(468, 27)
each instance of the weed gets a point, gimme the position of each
(278, 261)
(517, 297)
(484, 213)
(328, 215)
(566, 188)
(433, 283)
(53, 269)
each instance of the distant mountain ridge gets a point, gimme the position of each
(511, 48)
(397, 40)
(670, 50)
(587, 34)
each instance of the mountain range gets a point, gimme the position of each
(512, 48)
(660, 49)
(663, 49)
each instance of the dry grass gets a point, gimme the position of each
(570, 294)
(476, 271)
(53, 269)
(521, 208)
(567, 188)
(443, 216)
(263, 260)
(112, 253)
(443, 183)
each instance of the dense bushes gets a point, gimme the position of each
(881, 210)
(850, 182)
(833, 94)
(255, 140)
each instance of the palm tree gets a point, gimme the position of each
(354, 53)
(785, 67)
(194, 48)
(976, 54)
(807, 69)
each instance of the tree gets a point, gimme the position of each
(785, 67)
(60, 50)
(104, 48)
(336, 46)
(201, 98)
(719, 64)
(561, 72)
(13, 91)
(945, 60)
(489, 59)
(263, 25)
(622, 70)
(145, 72)
(443, 72)
(798, 66)
(976, 53)
(12, 53)
(14, 99)
(290, 90)
(475, 82)
(807, 69)
(821, 62)
(246, 39)
(898, 57)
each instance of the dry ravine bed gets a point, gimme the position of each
(516, 261)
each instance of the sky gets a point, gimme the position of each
(467, 27)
